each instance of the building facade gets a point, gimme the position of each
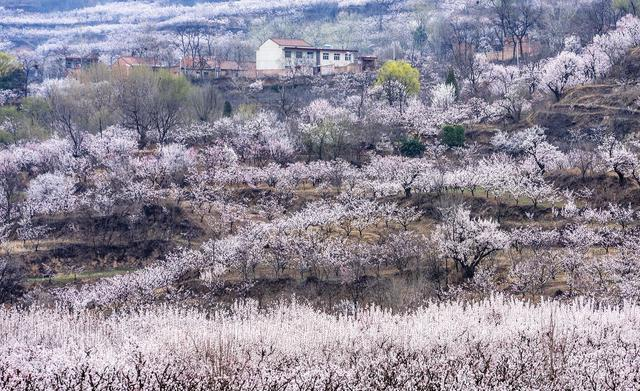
(279, 56)
(213, 68)
(75, 63)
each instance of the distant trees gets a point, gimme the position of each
(404, 173)
(452, 80)
(153, 104)
(151, 101)
(135, 92)
(627, 6)
(420, 38)
(515, 19)
(209, 149)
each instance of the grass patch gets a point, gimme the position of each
(66, 278)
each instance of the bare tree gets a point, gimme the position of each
(194, 45)
(135, 100)
(515, 19)
(168, 97)
(206, 102)
(69, 113)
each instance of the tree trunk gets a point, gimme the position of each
(621, 179)
(468, 271)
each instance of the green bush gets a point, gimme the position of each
(411, 147)
(453, 135)
(5, 138)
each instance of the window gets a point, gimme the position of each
(287, 54)
(298, 54)
(310, 55)
(336, 56)
(325, 56)
(347, 56)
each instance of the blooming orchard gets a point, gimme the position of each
(164, 234)
(476, 346)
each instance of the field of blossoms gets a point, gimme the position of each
(330, 195)
(496, 343)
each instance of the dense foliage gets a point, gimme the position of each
(453, 135)
(491, 344)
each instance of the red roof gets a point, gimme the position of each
(292, 42)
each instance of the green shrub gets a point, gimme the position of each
(5, 138)
(453, 135)
(411, 147)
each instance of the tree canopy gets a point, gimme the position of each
(10, 72)
(401, 72)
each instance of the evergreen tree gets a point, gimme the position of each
(227, 110)
(453, 81)
(420, 37)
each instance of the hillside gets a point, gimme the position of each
(611, 103)
(395, 195)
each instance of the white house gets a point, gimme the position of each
(278, 56)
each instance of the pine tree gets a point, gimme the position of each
(453, 81)
(227, 110)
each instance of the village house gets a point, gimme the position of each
(280, 56)
(213, 68)
(512, 49)
(74, 63)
